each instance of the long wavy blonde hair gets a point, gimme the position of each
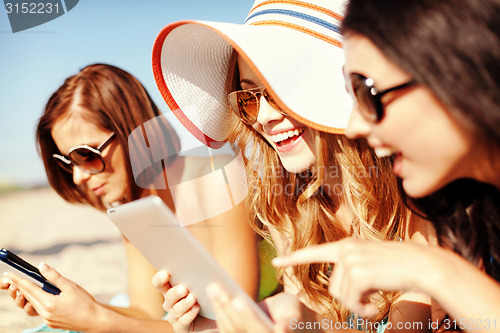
(299, 205)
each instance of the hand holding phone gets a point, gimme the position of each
(67, 306)
(12, 263)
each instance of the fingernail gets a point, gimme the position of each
(181, 290)
(213, 291)
(43, 267)
(277, 261)
(159, 278)
(163, 275)
(238, 304)
(190, 298)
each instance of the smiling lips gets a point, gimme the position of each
(395, 155)
(282, 139)
(383, 151)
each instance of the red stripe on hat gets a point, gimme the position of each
(301, 29)
(301, 4)
(166, 94)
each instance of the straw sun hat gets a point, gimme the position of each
(293, 46)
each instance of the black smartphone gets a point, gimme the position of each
(10, 261)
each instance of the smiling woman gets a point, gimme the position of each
(293, 141)
(395, 122)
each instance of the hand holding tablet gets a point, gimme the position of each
(155, 231)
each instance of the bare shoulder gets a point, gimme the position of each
(212, 185)
(421, 231)
(198, 166)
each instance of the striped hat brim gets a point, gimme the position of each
(298, 59)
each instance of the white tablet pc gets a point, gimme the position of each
(156, 232)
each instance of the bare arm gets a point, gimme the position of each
(231, 240)
(412, 311)
(208, 196)
(465, 292)
(228, 236)
(145, 299)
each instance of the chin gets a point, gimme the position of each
(296, 168)
(109, 199)
(297, 165)
(417, 189)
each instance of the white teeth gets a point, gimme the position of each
(286, 135)
(383, 151)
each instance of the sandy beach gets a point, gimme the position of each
(80, 242)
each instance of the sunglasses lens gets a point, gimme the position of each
(68, 167)
(245, 104)
(270, 100)
(367, 103)
(87, 160)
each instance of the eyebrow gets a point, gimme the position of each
(247, 81)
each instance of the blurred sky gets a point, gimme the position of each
(35, 62)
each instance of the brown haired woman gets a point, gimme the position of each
(86, 139)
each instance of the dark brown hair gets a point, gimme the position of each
(117, 102)
(453, 48)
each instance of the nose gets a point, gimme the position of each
(267, 113)
(80, 176)
(357, 127)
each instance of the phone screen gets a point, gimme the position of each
(12, 263)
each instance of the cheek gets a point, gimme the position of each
(121, 172)
(119, 169)
(432, 161)
(258, 128)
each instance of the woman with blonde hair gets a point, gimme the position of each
(103, 143)
(308, 184)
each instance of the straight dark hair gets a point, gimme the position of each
(453, 48)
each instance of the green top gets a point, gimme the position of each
(268, 281)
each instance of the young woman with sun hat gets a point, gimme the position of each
(267, 86)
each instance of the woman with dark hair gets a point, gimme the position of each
(425, 76)
(96, 137)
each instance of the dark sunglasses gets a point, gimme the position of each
(84, 157)
(245, 103)
(368, 97)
